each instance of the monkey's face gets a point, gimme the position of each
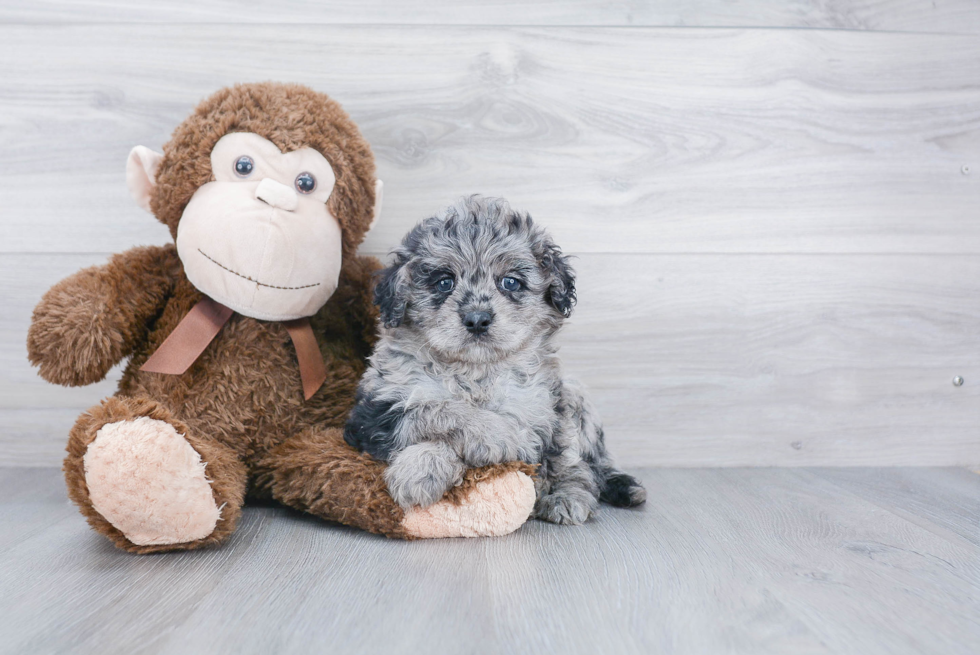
(265, 188)
(259, 237)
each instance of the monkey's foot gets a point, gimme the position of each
(148, 482)
(492, 506)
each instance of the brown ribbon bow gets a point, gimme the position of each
(201, 325)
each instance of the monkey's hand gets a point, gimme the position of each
(90, 321)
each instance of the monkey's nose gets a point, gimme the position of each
(276, 194)
(478, 322)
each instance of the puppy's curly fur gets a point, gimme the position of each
(466, 372)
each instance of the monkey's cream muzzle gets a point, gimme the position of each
(255, 242)
(276, 195)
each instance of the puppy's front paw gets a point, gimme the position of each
(422, 474)
(411, 488)
(493, 439)
(566, 507)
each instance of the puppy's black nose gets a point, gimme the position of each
(478, 322)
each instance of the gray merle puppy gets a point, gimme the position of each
(466, 374)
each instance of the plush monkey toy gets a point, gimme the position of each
(246, 339)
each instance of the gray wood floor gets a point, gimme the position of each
(733, 560)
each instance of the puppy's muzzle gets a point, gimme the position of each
(477, 322)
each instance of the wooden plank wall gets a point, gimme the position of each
(777, 231)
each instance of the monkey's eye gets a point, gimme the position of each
(445, 285)
(510, 284)
(244, 166)
(305, 183)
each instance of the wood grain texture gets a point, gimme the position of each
(693, 360)
(956, 16)
(736, 560)
(776, 229)
(640, 140)
(948, 505)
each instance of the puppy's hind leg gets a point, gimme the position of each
(622, 489)
(568, 494)
(616, 488)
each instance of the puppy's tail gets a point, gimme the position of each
(622, 490)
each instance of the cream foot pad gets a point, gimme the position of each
(149, 483)
(493, 508)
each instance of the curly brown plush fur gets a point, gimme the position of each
(290, 116)
(240, 405)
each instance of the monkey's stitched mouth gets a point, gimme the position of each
(245, 277)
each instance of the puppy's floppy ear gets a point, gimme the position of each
(390, 293)
(561, 291)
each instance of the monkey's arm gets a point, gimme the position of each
(90, 321)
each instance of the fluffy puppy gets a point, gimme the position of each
(466, 373)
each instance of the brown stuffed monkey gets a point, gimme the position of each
(246, 339)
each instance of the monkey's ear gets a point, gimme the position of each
(141, 174)
(389, 294)
(561, 291)
(379, 193)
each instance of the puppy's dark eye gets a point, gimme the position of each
(510, 284)
(445, 285)
(305, 183)
(244, 166)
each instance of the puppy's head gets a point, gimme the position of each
(477, 283)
